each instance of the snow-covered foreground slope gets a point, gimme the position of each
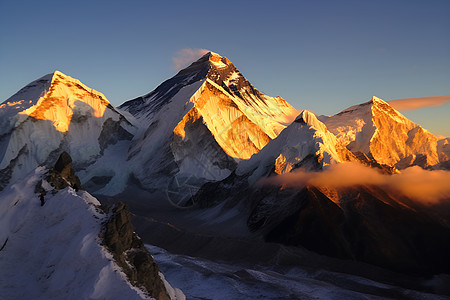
(205, 279)
(53, 114)
(199, 123)
(379, 131)
(53, 251)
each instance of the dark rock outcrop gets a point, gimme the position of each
(112, 132)
(130, 253)
(62, 175)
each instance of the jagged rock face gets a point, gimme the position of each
(53, 114)
(63, 175)
(209, 105)
(382, 133)
(363, 223)
(130, 253)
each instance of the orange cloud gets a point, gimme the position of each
(425, 186)
(416, 103)
(186, 56)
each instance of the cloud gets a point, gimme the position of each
(186, 56)
(421, 102)
(425, 186)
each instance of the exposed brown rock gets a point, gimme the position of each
(62, 175)
(130, 253)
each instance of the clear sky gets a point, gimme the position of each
(319, 55)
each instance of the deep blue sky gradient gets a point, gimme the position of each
(319, 55)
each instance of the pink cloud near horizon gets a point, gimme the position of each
(427, 187)
(186, 56)
(420, 102)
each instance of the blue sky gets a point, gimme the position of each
(320, 55)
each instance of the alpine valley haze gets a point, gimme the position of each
(236, 194)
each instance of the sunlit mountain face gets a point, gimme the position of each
(376, 129)
(199, 124)
(60, 101)
(53, 114)
(214, 169)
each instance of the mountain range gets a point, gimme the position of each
(208, 154)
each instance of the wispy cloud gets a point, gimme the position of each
(421, 185)
(186, 56)
(421, 102)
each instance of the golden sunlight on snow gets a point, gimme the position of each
(65, 98)
(236, 134)
(15, 103)
(282, 165)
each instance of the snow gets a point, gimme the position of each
(202, 116)
(305, 136)
(218, 64)
(22, 100)
(103, 166)
(60, 114)
(53, 251)
(148, 144)
(354, 123)
(444, 149)
(217, 60)
(381, 132)
(232, 78)
(173, 293)
(205, 279)
(268, 115)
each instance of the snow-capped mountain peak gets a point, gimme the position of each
(208, 105)
(305, 143)
(53, 97)
(65, 98)
(309, 118)
(53, 114)
(376, 99)
(378, 130)
(218, 61)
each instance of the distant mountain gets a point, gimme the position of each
(53, 114)
(362, 222)
(379, 131)
(201, 122)
(305, 143)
